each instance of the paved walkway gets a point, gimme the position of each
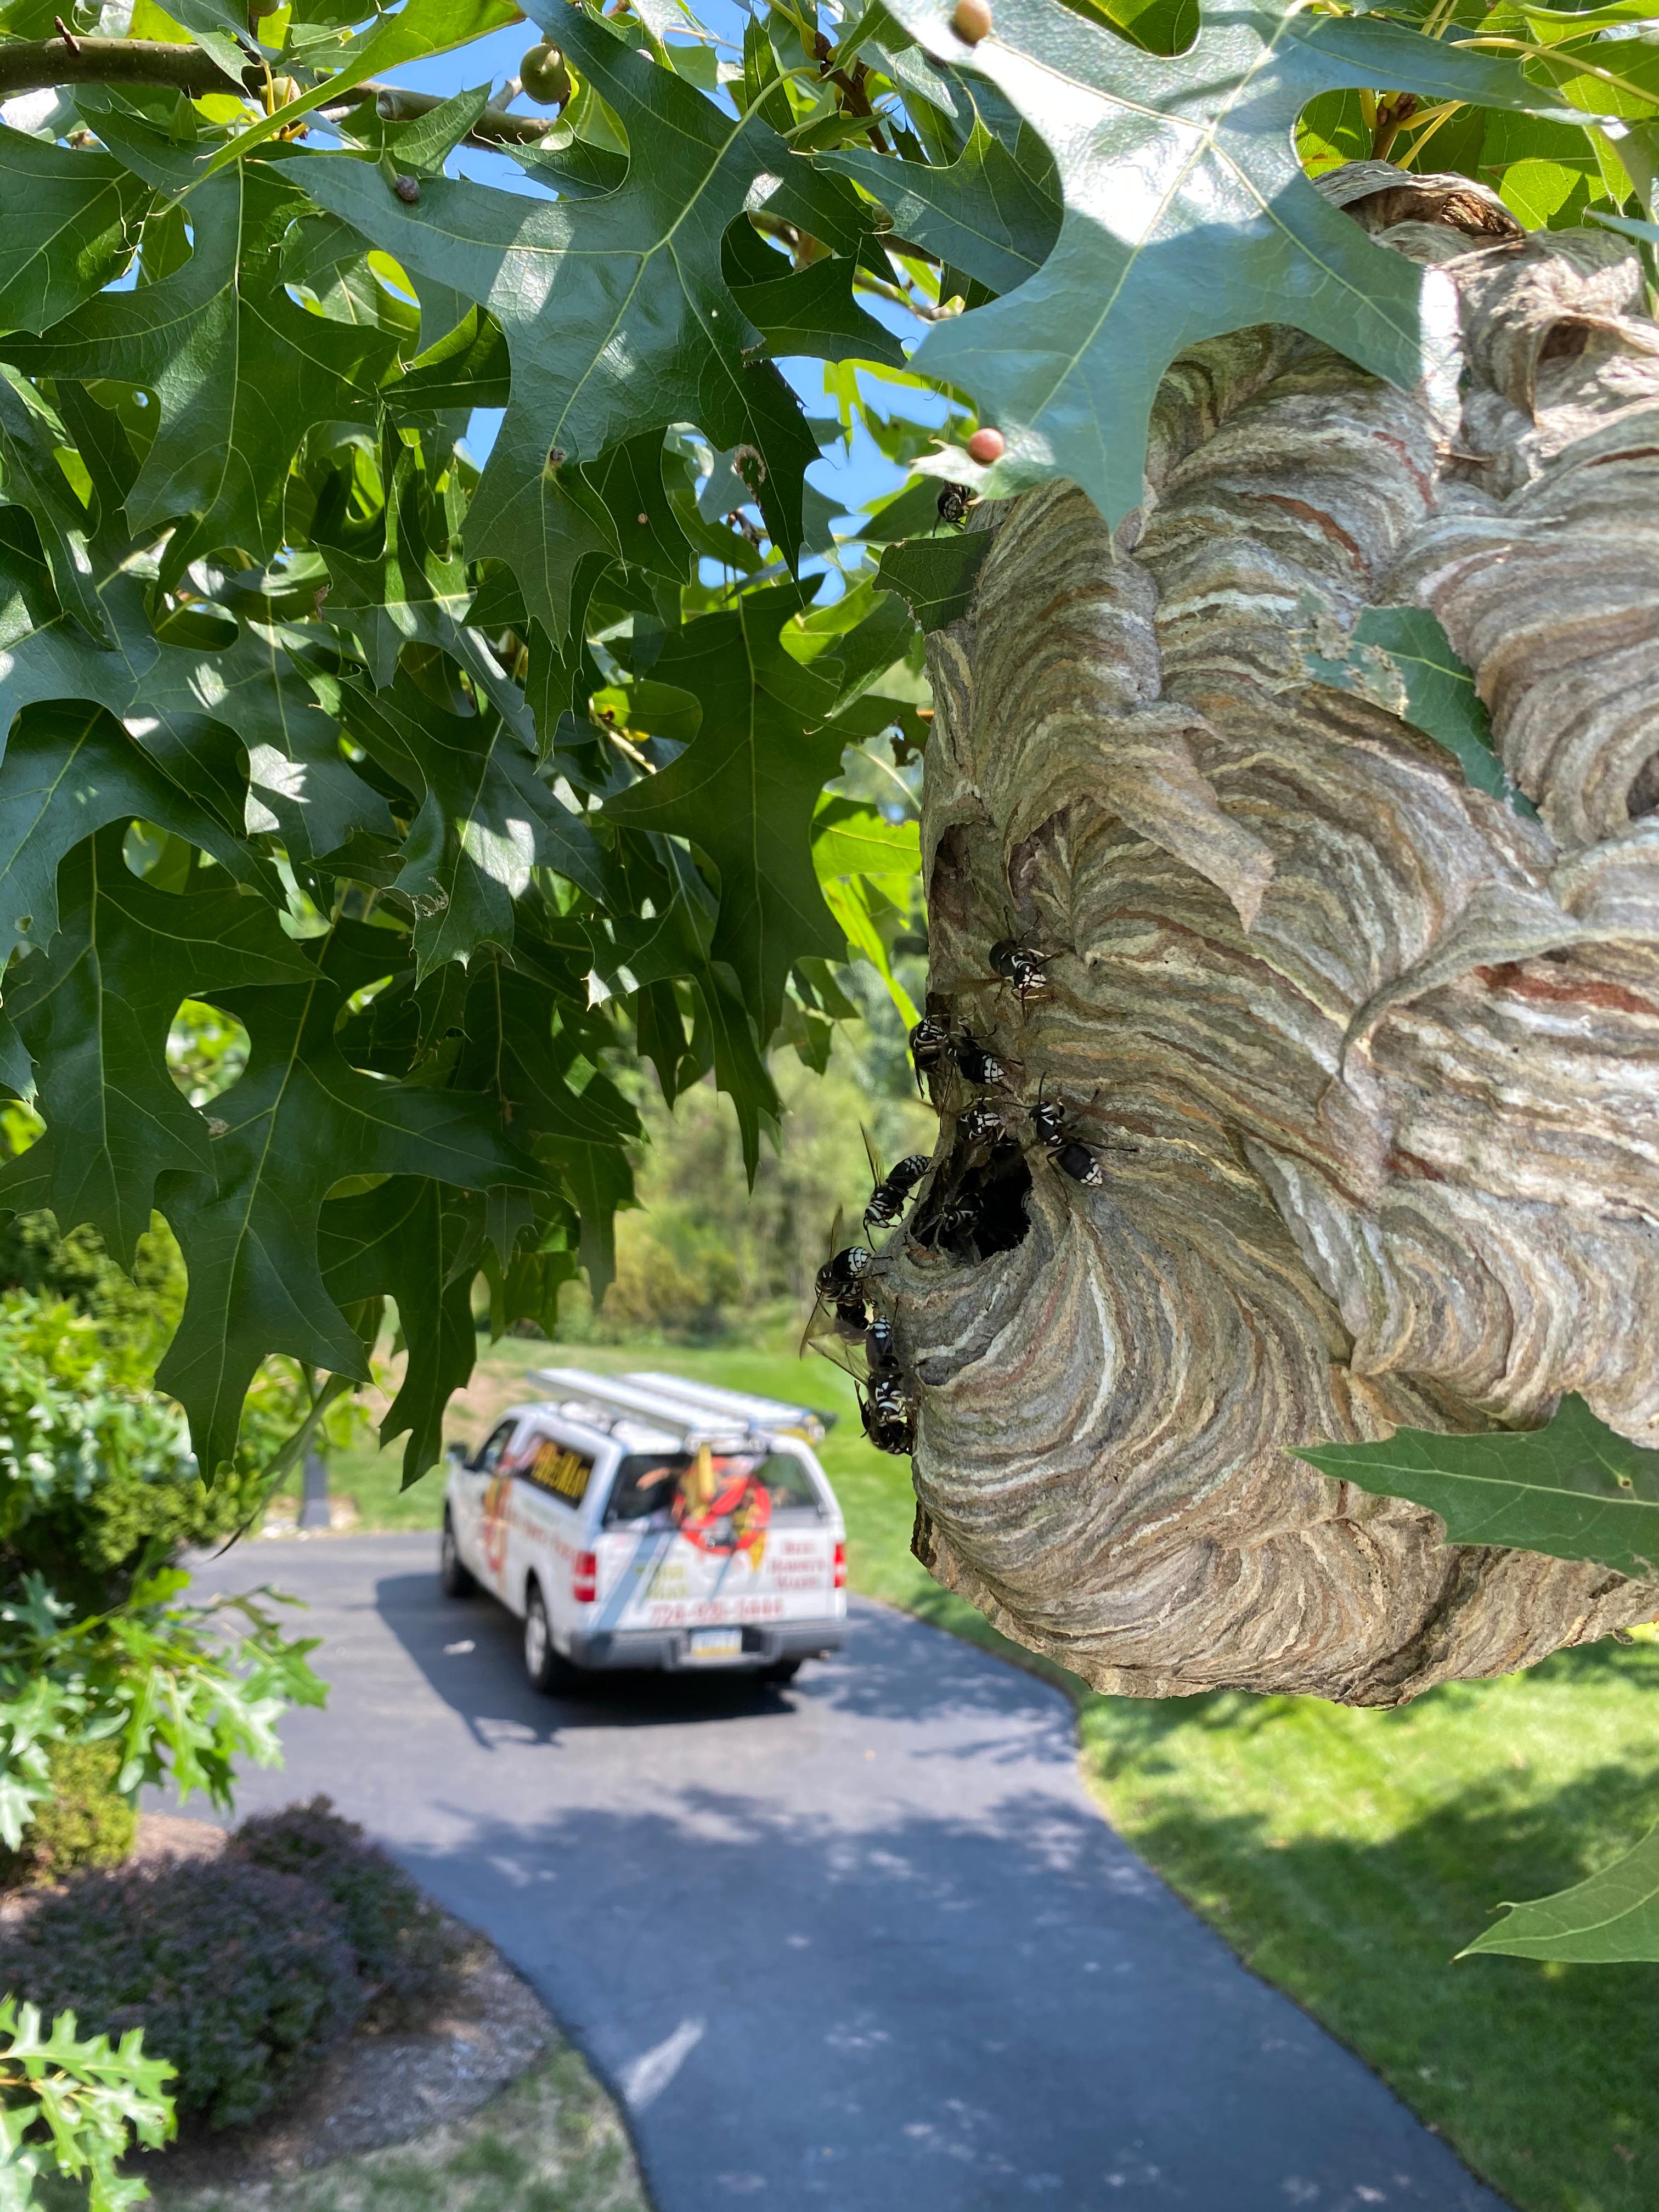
(865, 1945)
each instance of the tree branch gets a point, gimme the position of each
(36, 64)
(33, 65)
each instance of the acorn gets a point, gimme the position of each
(408, 190)
(543, 77)
(259, 9)
(987, 445)
(971, 21)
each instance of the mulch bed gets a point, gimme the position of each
(375, 2088)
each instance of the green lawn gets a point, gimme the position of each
(1345, 1856)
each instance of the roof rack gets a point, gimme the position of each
(760, 1412)
(684, 1410)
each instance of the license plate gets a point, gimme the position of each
(716, 1643)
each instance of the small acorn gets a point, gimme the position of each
(987, 445)
(259, 9)
(543, 77)
(408, 190)
(971, 21)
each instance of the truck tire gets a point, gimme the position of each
(544, 1669)
(452, 1577)
(780, 1671)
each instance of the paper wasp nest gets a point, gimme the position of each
(1381, 1052)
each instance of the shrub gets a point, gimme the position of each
(86, 1821)
(405, 1951)
(242, 1977)
(96, 1476)
(161, 1681)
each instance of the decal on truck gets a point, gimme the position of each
(492, 1525)
(723, 1513)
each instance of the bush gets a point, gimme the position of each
(240, 1976)
(96, 1475)
(404, 1950)
(85, 1821)
(163, 1681)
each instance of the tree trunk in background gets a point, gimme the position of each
(1386, 1050)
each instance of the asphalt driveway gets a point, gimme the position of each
(864, 1944)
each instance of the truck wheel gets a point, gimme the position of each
(780, 1671)
(452, 1577)
(544, 1668)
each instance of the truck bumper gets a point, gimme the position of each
(669, 1650)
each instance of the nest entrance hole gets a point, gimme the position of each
(975, 1205)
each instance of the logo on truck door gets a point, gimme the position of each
(492, 1526)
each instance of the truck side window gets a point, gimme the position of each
(490, 1457)
(560, 1469)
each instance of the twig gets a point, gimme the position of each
(33, 65)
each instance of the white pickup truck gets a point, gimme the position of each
(642, 1520)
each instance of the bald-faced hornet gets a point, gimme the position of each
(981, 1126)
(842, 1271)
(930, 1046)
(889, 1412)
(1071, 1157)
(981, 1067)
(1028, 971)
(953, 503)
(839, 1308)
(892, 1190)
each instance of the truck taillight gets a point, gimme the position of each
(584, 1588)
(841, 1566)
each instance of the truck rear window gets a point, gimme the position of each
(647, 1484)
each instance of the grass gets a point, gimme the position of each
(1345, 1856)
(552, 2142)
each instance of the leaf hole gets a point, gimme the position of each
(207, 1050)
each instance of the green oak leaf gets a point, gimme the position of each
(1401, 657)
(93, 1009)
(1576, 1489)
(644, 955)
(418, 1243)
(981, 213)
(240, 371)
(400, 582)
(30, 433)
(1186, 214)
(68, 770)
(71, 227)
(615, 311)
(1612, 1917)
(744, 790)
(935, 576)
(486, 819)
(182, 700)
(628, 479)
(511, 1049)
(850, 839)
(808, 311)
(418, 29)
(299, 1120)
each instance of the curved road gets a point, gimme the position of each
(863, 1945)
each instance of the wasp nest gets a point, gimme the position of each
(1370, 1058)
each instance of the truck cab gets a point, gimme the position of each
(641, 1521)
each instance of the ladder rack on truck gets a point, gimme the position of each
(773, 1413)
(686, 1410)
